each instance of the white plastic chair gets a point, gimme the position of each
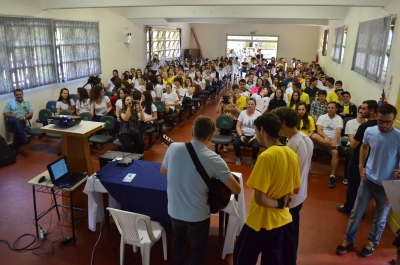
(139, 231)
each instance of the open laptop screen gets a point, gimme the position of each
(59, 168)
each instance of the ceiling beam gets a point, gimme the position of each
(273, 12)
(72, 4)
(308, 22)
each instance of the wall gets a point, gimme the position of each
(360, 87)
(115, 54)
(294, 40)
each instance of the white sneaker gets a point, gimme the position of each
(238, 162)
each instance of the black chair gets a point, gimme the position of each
(102, 139)
(44, 114)
(223, 123)
(149, 132)
(66, 112)
(51, 105)
(86, 116)
(161, 111)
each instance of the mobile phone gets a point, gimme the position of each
(226, 99)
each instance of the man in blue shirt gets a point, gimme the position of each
(16, 112)
(383, 144)
(188, 193)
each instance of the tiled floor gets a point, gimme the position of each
(322, 227)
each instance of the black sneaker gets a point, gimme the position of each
(331, 183)
(341, 209)
(342, 249)
(368, 249)
(341, 149)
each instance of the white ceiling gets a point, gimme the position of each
(306, 12)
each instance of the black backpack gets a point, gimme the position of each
(7, 157)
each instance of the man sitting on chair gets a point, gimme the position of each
(17, 111)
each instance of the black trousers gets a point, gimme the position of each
(127, 139)
(291, 237)
(251, 243)
(353, 176)
(198, 232)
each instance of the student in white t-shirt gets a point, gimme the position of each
(83, 103)
(118, 104)
(159, 87)
(262, 101)
(100, 104)
(64, 102)
(329, 129)
(170, 98)
(302, 145)
(149, 112)
(352, 125)
(110, 86)
(150, 87)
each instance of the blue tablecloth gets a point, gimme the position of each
(146, 194)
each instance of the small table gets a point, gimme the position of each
(75, 146)
(141, 196)
(47, 187)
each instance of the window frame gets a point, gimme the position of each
(150, 50)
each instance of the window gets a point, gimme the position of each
(338, 44)
(325, 38)
(250, 44)
(371, 48)
(26, 53)
(77, 49)
(163, 41)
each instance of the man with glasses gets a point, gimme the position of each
(17, 111)
(382, 142)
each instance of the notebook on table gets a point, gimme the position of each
(61, 175)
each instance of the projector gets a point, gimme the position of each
(65, 121)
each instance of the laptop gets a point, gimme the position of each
(61, 176)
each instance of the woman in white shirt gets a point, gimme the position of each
(100, 104)
(159, 87)
(83, 102)
(118, 104)
(149, 112)
(64, 102)
(170, 98)
(150, 87)
(198, 80)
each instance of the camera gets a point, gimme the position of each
(226, 99)
(134, 102)
(246, 141)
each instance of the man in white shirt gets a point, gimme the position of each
(302, 145)
(329, 129)
(192, 72)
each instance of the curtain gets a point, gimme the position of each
(77, 49)
(26, 53)
(370, 49)
(338, 45)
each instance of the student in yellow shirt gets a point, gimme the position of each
(294, 100)
(306, 122)
(240, 100)
(274, 178)
(304, 97)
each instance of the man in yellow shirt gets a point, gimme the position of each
(304, 97)
(336, 94)
(240, 100)
(275, 177)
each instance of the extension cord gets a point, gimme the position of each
(66, 240)
(42, 234)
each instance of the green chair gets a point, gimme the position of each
(223, 123)
(86, 116)
(102, 139)
(161, 111)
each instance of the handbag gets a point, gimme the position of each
(219, 194)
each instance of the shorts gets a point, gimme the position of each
(170, 111)
(179, 107)
(323, 148)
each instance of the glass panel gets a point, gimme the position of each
(239, 37)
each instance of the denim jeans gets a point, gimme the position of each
(353, 176)
(198, 232)
(367, 191)
(17, 127)
(255, 147)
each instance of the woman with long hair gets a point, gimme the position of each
(138, 77)
(100, 103)
(199, 80)
(190, 88)
(131, 110)
(306, 122)
(294, 100)
(277, 101)
(149, 112)
(150, 87)
(259, 84)
(64, 102)
(83, 103)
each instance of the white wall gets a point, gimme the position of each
(360, 87)
(294, 40)
(115, 54)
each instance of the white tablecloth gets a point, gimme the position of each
(235, 209)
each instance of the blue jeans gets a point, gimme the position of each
(17, 127)
(353, 176)
(255, 147)
(366, 192)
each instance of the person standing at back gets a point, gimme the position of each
(188, 193)
(302, 145)
(382, 142)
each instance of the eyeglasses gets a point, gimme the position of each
(381, 122)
